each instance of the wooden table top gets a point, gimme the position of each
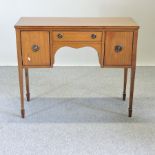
(76, 21)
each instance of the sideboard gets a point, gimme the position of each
(39, 38)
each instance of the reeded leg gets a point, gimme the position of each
(125, 83)
(27, 84)
(131, 90)
(20, 71)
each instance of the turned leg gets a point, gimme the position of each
(20, 71)
(133, 69)
(27, 84)
(125, 83)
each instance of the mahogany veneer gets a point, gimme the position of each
(39, 38)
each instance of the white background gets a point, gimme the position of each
(143, 11)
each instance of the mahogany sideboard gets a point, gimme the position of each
(39, 38)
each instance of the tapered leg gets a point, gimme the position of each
(27, 84)
(133, 69)
(125, 83)
(20, 70)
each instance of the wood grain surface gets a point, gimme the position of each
(77, 36)
(123, 57)
(82, 22)
(39, 38)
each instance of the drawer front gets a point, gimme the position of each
(77, 36)
(118, 48)
(35, 48)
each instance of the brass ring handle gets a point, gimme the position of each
(118, 48)
(59, 35)
(93, 36)
(35, 48)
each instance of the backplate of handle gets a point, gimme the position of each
(118, 48)
(59, 35)
(93, 36)
(35, 48)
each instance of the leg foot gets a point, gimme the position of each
(124, 96)
(28, 97)
(130, 113)
(22, 113)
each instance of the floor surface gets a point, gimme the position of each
(77, 111)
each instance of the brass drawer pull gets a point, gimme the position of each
(93, 36)
(60, 36)
(118, 48)
(35, 48)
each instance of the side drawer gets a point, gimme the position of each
(77, 36)
(35, 48)
(118, 48)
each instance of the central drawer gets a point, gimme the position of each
(76, 36)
